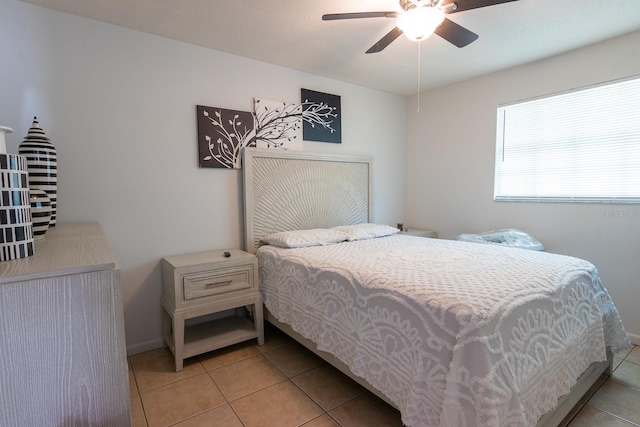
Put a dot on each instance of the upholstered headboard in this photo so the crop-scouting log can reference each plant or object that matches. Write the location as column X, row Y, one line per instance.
column 297, row 190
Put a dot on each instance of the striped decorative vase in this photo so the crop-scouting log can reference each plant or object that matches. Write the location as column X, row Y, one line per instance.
column 40, row 212
column 42, row 162
column 16, row 231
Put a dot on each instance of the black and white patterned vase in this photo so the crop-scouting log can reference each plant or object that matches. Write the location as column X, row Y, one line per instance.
column 40, row 212
column 16, row 231
column 42, row 162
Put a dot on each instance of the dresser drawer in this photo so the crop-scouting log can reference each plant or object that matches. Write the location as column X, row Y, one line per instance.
column 220, row 281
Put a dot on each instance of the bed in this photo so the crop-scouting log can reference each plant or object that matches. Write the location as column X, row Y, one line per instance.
column 450, row 333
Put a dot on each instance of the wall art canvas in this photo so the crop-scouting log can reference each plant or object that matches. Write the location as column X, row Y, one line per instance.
column 278, row 124
column 322, row 117
column 222, row 134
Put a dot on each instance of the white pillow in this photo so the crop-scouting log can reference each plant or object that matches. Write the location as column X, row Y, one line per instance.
column 305, row 238
column 366, row 231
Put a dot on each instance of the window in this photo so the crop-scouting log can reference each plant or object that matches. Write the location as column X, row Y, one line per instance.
column 578, row 146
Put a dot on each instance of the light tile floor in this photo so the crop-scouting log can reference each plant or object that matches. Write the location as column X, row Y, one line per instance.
column 283, row 384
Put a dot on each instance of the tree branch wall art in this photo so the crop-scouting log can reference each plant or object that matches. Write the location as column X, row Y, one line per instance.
column 223, row 133
column 278, row 124
column 322, row 116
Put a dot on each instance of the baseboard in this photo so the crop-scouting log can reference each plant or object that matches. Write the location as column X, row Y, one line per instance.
column 635, row 339
column 145, row 346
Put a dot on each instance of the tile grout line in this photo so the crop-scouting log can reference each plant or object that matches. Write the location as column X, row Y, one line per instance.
column 609, row 413
column 139, row 395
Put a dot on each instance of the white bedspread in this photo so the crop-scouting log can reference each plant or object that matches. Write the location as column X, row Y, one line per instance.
column 453, row 333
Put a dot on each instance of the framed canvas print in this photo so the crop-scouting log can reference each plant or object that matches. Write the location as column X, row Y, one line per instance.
column 278, row 124
column 321, row 117
column 222, row 134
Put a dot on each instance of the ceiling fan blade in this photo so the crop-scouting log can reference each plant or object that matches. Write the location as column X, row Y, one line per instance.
column 455, row 34
column 356, row 15
column 462, row 5
column 385, row 41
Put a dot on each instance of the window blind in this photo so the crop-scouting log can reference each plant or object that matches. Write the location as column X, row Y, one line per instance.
column 578, row 146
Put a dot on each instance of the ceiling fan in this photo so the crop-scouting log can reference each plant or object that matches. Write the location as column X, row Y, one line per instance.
column 421, row 18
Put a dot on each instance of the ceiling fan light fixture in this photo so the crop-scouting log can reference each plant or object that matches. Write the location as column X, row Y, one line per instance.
column 420, row 22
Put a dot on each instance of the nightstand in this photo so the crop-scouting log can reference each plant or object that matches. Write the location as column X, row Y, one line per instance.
column 419, row 233
column 204, row 283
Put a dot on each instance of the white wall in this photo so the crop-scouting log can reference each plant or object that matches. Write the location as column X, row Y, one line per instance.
column 451, row 165
column 119, row 106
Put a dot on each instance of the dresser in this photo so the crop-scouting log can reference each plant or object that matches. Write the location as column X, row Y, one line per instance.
column 62, row 346
column 196, row 287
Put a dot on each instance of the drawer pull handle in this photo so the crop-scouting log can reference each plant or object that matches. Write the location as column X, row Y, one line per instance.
column 221, row 282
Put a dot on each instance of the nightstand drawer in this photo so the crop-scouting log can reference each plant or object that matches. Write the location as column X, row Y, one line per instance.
column 216, row 282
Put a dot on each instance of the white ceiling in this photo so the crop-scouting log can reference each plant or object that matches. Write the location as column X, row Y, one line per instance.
column 291, row 33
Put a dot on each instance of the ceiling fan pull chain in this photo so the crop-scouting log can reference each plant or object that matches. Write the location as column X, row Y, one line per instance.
column 419, row 61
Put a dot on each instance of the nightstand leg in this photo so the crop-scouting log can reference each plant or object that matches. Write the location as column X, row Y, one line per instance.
column 178, row 341
column 165, row 321
column 258, row 320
